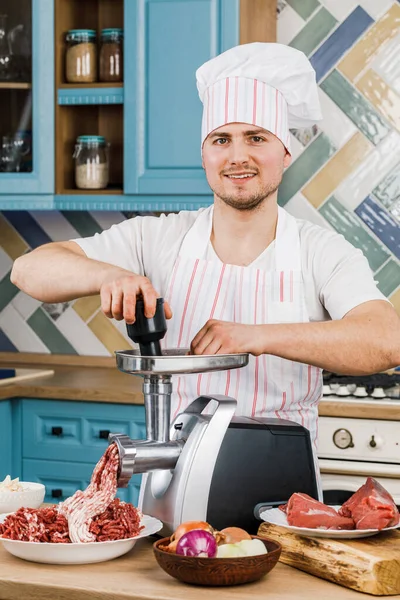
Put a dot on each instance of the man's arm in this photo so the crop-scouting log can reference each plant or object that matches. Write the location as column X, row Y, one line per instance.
column 366, row 340
column 61, row 271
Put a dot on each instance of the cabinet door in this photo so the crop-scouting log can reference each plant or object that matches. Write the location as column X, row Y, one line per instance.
column 5, row 440
column 26, row 97
column 63, row 479
column 165, row 42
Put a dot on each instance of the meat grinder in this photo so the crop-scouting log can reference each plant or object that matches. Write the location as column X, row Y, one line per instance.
column 207, row 464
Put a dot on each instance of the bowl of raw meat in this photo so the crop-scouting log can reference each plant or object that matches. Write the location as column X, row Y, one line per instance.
column 14, row 494
column 90, row 526
column 370, row 510
column 196, row 553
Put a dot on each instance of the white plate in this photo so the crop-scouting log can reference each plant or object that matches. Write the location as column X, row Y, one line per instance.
column 278, row 517
column 78, row 554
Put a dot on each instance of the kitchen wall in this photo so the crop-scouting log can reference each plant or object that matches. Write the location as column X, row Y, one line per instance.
column 345, row 174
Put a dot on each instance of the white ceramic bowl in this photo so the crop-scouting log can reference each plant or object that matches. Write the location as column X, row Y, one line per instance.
column 32, row 496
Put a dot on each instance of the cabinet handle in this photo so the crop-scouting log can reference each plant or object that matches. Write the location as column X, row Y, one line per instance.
column 104, row 433
column 56, row 431
column 56, row 493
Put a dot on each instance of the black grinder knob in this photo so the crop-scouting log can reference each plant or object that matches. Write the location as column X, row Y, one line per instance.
column 148, row 332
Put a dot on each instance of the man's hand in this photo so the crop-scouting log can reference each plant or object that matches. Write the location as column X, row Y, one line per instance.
column 118, row 294
column 223, row 337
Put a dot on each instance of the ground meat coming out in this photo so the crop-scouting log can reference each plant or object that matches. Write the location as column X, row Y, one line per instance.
column 92, row 515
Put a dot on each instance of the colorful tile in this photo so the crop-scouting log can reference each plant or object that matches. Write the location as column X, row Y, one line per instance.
column 7, row 291
column 86, row 307
column 105, row 331
column 335, row 123
column 395, row 210
column 304, row 8
column 11, row 242
column 349, row 225
column 395, row 300
column 83, row 222
column 379, row 162
column 44, row 327
column 381, row 223
column 306, row 134
column 300, row 208
column 27, row 227
column 314, row 31
column 344, row 162
column 288, row 25
column 19, row 333
column 55, row 225
column 362, row 53
column 376, row 8
column 308, row 163
column 355, row 106
column 340, row 8
column 296, row 148
column 387, row 64
column 25, row 305
column 55, row 309
column 107, row 218
column 343, row 38
column 79, row 335
column 5, row 263
column 6, row 344
column 381, row 95
column 388, row 277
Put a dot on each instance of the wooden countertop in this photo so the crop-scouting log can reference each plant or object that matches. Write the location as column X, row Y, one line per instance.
column 97, row 379
column 137, row 576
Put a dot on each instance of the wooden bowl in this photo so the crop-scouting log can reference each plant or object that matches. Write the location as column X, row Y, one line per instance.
column 218, row 571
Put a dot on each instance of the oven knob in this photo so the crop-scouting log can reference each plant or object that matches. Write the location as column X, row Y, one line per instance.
column 376, row 441
column 343, row 439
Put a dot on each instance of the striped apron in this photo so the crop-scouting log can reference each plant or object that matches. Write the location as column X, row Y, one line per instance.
column 201, row 289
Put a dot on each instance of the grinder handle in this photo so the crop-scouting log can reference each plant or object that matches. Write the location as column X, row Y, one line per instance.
column 200, row 404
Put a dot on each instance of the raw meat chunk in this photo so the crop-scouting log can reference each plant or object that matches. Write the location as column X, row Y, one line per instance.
column 304, row 511
column 371, row 507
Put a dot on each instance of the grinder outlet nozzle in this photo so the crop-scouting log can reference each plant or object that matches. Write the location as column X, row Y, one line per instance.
column 148, row 332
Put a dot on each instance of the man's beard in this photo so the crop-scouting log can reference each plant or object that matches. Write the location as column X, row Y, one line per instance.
column 249, row 202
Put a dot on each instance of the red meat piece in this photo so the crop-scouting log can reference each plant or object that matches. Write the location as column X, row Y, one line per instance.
column 371, row 507
column 304, row 511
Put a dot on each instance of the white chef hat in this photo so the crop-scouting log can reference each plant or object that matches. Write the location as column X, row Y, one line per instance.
column 269, row 85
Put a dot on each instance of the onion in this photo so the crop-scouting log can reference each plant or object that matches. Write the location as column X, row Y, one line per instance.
column 231, row 535
column 184, row 528
column 197, row 542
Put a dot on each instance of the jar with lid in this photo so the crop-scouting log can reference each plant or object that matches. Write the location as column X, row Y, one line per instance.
column 81, row 56
column 111, row 55
column 91, row 162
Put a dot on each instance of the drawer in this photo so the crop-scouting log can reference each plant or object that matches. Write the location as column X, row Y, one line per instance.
column 76, row 431
column 63, row 479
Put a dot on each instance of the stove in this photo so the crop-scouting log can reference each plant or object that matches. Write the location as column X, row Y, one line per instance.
column 351, row 449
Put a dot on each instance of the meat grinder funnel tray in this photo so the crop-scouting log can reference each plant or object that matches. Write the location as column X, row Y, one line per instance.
column 177, row 361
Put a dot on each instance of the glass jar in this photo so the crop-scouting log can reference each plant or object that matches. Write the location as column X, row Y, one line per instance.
column 81, row 56
column 111, row 55
column 91, row 162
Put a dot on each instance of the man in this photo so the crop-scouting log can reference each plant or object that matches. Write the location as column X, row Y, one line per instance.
column 241, row 275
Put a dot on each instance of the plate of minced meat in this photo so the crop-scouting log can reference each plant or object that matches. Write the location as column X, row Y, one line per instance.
column 370, row 510
column 90, row 526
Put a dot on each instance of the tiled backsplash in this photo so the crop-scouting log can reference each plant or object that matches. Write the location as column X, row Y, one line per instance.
column 345, row 173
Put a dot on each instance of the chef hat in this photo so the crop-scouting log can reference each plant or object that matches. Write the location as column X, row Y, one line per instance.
column 268, row 85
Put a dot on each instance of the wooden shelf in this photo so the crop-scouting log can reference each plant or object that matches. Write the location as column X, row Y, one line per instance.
column 14, row 85
column 108, row 191
column 96, row 85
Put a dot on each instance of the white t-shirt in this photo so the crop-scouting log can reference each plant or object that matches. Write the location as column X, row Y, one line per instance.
column 336, row 275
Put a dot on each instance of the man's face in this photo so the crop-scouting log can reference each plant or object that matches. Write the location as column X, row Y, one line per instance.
column 244, row 164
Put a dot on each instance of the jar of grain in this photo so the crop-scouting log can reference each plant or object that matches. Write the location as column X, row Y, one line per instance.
column 81, row 56
column 91, row 162
column 111, row 60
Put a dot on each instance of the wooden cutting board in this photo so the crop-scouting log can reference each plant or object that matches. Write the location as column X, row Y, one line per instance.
column 370, row 565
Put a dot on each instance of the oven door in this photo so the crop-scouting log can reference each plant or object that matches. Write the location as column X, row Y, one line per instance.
column 340, row 479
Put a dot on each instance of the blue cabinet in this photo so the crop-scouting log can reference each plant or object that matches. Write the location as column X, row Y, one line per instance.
column 58, row 443
column 166, row 41
column 27, row 99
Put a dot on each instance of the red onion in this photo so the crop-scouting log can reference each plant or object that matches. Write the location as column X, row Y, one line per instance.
column 197, row 542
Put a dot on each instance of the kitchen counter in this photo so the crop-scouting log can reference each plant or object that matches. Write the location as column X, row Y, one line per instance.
column 97, row 379
column 137, row 576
